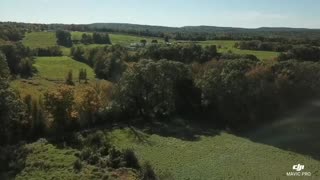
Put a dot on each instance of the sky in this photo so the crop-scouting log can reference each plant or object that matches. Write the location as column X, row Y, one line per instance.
column 176, row 13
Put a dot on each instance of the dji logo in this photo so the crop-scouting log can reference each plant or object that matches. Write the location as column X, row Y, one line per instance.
column 298, row 167
column 298, row 171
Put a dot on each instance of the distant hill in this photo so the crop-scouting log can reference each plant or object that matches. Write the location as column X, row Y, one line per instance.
column 128, row 26
column 194, row 33
column 208, row 32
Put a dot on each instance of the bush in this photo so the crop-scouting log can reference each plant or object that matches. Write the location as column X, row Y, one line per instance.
column 64, row 38
column 96, row 140
column 69, row 78
column 131, row 159
column 25, row 67
column 101, row 38
column 115, row 158
column 50, row 51
column 77, row 165
column 148, row 172
column 231, row 56
column 85, row 153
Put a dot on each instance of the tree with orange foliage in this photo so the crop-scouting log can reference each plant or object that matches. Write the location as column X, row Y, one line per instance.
column 87, row 104
column 60, row 103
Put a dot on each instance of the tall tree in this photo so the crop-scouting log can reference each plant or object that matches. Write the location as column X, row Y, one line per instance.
column 101, row 38
column 12, row 110
column 64, row 38
column 60, row 104
column 150, row 88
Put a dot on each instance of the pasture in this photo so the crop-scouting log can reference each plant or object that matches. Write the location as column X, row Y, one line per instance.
column 52, row 72
column 40, row 39
column 56, row 68
column 225, row 46
column 124, row 39
column 77, row 35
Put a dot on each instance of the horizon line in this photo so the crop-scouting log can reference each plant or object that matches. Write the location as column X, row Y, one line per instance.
column 235, row 27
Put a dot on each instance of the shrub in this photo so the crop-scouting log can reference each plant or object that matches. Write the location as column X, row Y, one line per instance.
column 115, row 158
column 96, row 140
column 69, row 78
column 49, row 51
column 131, row 159
column 148, row 172
column 77, row 165
column 25, row 67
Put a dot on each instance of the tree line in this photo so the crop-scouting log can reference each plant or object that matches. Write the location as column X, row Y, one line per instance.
column 19, row 59
column 264, row 46
column 95, row 38
column 296, row 36
column 110, row 62
column 161, row 81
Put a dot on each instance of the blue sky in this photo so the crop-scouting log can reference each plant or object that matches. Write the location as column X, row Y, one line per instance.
column 234, row 13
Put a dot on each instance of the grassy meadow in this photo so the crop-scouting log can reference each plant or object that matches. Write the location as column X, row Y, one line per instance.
column 40, row 39
column 228, row 45
column 56, row 68
column 35, row 40
column 52, row 71
column 223, row 156
column 124, row 39
column 77, row 35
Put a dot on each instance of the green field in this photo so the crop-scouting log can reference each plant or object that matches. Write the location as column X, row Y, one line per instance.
column 223, row 156
column 77, row 35
column 90, row 46
column 128, row 39
column 51, row 73
column 43, row 40
column 56, row 68
column 47, row 39
column 226, row 46
column 40, row 39
column 122, row 39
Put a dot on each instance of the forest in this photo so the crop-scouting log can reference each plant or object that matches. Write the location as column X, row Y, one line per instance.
column 84, row 101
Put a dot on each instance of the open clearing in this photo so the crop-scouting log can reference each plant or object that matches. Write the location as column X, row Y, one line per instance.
column 51, row 72
column 35, row 40
column 223, row 156
column 40, row 39
column 124, row 39
column 77, row 35
column 56, row 68
column 227, row 45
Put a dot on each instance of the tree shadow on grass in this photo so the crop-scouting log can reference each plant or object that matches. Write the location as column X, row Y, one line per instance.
column 298, row 131
column 177, row 128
